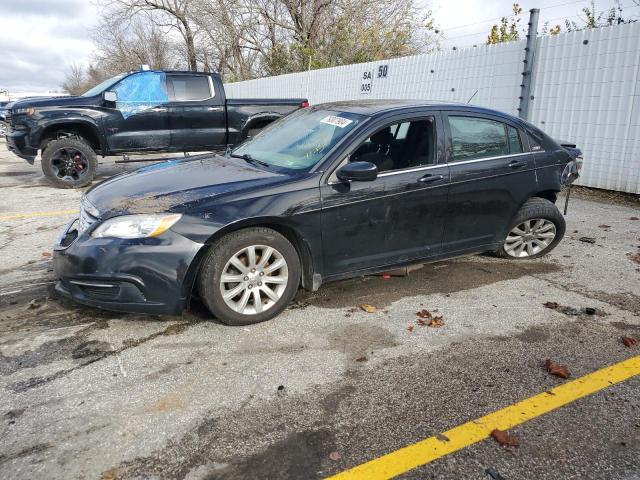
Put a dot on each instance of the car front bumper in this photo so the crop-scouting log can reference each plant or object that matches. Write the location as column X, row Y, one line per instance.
column 148, row 275
column 18, row 144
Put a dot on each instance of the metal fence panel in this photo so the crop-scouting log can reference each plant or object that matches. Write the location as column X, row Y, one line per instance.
column 585, row 89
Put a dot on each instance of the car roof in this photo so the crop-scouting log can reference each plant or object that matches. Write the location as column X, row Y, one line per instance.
column 374, row 108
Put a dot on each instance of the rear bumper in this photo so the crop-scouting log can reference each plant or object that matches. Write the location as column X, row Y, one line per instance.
column 17, row 143
column 152, row 275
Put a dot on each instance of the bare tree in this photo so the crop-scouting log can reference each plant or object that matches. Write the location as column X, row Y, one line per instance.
column 75, row 82
column 173, row 14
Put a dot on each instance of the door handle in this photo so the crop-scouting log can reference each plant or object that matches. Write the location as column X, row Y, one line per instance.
column 428, row 178
column 517, row 164
column 214, row 109
column 158, row 109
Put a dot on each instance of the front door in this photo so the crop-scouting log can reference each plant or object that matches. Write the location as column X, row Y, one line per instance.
column 491, row 177
column 198, row 117
column 399, row 216
column 139, row 121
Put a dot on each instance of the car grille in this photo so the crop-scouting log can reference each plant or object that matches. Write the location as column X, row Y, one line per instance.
column 86, row 219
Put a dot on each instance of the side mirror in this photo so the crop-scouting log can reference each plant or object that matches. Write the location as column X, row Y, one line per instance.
column 110, row 96
column 358, row 172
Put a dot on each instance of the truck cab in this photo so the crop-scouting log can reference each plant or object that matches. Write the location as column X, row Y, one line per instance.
column 144, row 111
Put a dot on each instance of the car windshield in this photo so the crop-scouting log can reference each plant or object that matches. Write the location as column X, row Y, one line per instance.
column 300, row 140
column 101, row 87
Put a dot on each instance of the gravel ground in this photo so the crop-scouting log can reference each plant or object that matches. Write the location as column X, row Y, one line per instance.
column 92, row 394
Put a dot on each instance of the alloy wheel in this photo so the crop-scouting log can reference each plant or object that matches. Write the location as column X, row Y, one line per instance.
column 69, row 164
column 254, row 279
column 530, row 238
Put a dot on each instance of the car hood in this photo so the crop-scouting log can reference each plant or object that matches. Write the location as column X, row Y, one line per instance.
column 62, row 101
column 176, row 185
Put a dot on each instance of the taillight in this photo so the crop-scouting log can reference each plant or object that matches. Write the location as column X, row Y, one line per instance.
column 304, row 104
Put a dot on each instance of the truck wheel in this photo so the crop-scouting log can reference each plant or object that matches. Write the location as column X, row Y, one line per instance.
column 537, row 229
column 249, row 276
column 69, row 163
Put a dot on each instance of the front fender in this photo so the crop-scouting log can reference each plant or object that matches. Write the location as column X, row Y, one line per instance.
column 45, row 124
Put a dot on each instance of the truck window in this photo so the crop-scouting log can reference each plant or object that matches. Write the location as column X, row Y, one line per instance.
column 141, row 91
column 188, row 88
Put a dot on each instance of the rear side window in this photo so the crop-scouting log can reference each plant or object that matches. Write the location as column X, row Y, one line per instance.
column 190, row 87
column 515, row 145
column 474, row 138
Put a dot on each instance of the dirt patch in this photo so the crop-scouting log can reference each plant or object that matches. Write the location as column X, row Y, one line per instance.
column 35, row 449
column 534, row 335
column 74, row 345
column 606, row 196
column 361, row 339
column 441, row 277
column 624, row 300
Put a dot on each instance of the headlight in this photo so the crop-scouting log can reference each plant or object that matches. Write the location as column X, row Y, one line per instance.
column 136, row 226
column 29, row 111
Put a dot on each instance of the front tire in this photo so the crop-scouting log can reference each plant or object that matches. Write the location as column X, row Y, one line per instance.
column 69, row 163
column 249, row 276
column 536, row 230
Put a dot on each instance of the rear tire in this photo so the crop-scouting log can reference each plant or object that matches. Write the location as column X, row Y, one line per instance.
column 249, row 276
column 69, row 163
column 536, row 230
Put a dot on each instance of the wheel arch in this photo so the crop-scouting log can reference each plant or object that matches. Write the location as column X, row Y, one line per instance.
column 83, row 129
column 275, row 223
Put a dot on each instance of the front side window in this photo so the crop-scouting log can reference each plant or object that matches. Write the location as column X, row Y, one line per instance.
column 141, row 91
column 474, row 138
column 406, row 144
column 189, row 88
column 300, row 140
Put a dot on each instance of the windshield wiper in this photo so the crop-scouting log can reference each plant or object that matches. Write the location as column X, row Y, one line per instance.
column 249, row 159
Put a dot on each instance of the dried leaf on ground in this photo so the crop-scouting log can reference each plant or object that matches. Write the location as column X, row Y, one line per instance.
column 504, row 439
column 635, row 257
column 629, row 341
column 368, row 308
column 604, row 226
column 552, row 305
column 587, row 239
column 436, row 322
column 335, row 456
column 361, row 359
column 424, row 314
column 46, row 254
column 558, row 370
column 410, row 328
column 634, row 218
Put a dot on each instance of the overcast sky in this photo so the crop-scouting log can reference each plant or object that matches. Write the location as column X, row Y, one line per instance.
column 40, row 38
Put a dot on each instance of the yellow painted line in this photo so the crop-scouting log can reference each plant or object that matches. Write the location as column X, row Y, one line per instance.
column 55, row 213
column 432, row 448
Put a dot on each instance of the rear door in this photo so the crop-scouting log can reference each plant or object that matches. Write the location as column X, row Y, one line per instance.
column 197, row 114
column 139, row 118
column 491, row 177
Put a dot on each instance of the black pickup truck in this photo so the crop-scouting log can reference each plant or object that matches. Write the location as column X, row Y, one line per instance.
column 144, row 111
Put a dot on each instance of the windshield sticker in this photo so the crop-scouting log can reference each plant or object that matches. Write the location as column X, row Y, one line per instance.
column 336, row 121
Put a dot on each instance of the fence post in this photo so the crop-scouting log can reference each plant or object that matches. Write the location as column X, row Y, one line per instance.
column 529, row 57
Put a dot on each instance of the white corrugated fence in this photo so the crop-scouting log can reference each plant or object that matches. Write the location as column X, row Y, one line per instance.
column 585, row 89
